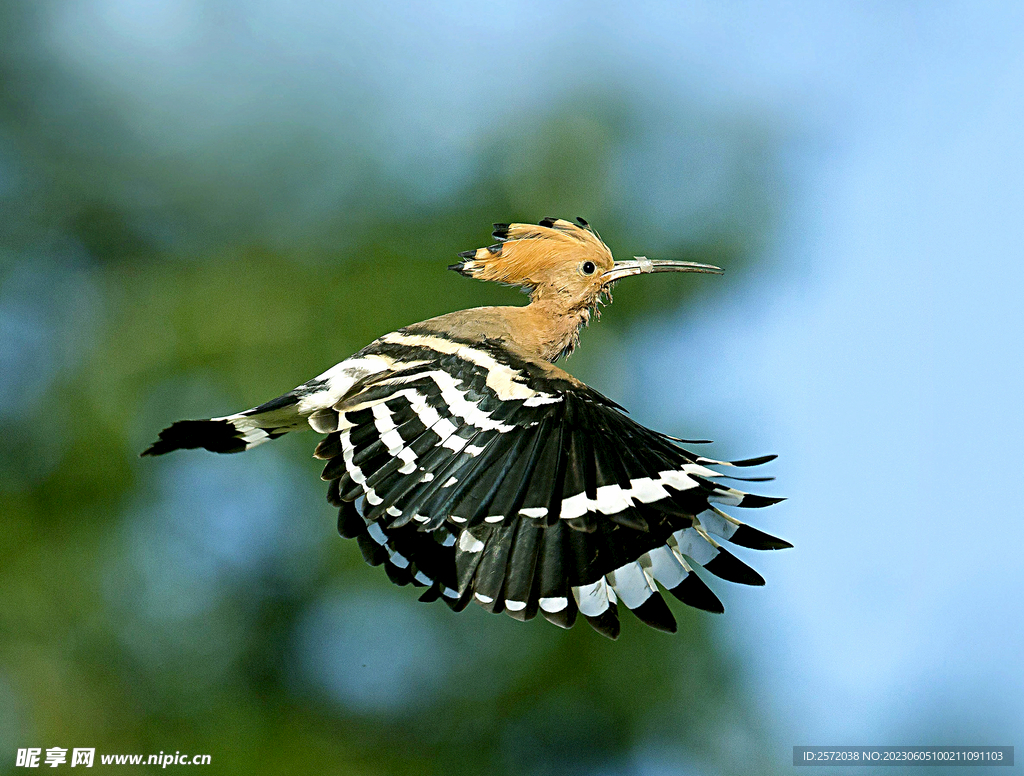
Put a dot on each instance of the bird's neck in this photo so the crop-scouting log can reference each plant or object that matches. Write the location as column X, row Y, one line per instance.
column 548, row 328
column 542, row 330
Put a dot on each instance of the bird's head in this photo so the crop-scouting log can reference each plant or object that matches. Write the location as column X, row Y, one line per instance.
column 559, row 260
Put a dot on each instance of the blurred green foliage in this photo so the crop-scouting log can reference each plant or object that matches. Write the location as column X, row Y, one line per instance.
column 160, row 605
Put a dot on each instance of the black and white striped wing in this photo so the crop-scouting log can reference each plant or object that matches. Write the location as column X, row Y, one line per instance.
column 483, row 477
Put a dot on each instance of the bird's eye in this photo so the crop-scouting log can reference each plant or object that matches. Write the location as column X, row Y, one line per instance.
column 588, row 268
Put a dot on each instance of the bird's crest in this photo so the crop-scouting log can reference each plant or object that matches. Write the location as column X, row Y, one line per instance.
column 524, row 253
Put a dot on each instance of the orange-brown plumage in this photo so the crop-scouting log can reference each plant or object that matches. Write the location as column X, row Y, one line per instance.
column 546, row 258
column 564, row 266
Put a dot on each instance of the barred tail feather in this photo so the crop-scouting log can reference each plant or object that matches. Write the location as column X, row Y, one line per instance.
column 218, row 436
column 231, row 434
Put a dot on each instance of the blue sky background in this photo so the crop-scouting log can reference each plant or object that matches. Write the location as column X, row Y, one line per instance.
column 878, row 351
column 881, row 358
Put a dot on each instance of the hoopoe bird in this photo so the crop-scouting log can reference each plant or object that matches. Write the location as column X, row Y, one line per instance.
column 467, row 463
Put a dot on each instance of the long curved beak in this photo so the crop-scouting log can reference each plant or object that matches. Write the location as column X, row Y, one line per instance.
column 641, row 265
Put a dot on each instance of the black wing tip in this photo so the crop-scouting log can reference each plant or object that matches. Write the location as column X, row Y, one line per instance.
column 334, row 494
column 350, row 523
column 754, row 461
column 655, row 612
column 217, row 436
column 328, row 447
column 431, row 594
column 727, row 566
column 373, row 553
column 397, row 575
column 523, row 615
column 753, row 501
column 460, row 603
column 607, row 623
column 689, row 441
column 747, row 536
column 565, row 618
column 693, row 592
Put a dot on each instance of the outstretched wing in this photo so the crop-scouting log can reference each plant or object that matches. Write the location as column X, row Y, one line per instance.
column 482, row 476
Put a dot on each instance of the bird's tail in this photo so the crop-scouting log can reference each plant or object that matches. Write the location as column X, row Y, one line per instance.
column 233, row 433
column 300, row 408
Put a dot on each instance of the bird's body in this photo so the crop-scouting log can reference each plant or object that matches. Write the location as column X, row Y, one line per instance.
column 468, row 463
